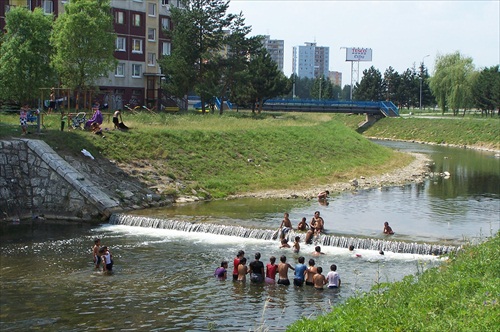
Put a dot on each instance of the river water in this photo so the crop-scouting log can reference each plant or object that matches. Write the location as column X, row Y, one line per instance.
column 163, row 279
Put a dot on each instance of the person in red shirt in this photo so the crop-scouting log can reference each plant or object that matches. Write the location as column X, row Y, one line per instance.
column 271, row 270
column 236, row 262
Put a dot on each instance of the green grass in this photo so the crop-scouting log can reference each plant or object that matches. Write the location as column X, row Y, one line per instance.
column 233, row 153
column 461, row 295
column 469, row 131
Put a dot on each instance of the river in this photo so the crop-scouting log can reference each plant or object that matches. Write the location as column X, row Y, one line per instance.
column 163, row 279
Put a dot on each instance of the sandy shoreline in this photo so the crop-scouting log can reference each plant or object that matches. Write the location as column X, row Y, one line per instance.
column 415, row 172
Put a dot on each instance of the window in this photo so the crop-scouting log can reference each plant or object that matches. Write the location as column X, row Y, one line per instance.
column 120, row 70
column 119, row 18
column 136, row 45
column 136, row 70
column 151, row 34
column 48, row 6
column 165, row 23
column 151, row 9
column 151, row 59
column 165, row 48
column 164, row 2
column 120, row 44
column 136, row 20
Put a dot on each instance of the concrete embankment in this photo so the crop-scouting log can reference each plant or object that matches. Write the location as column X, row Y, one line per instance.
column 35, row 182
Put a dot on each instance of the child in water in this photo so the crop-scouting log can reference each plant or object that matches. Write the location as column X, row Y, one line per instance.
column 296, row 245
column 221, row 272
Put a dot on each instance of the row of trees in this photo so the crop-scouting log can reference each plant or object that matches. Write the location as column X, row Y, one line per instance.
column 456, row 85
column 72, row 51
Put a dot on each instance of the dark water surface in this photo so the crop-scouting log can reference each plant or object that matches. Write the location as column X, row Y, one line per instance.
column 163, row 279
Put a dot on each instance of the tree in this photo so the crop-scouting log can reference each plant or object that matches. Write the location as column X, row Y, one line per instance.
column 452, row 82
column 198, row 37
column 266, row 80
column 390, row 84
column 24, row 55
column 84, row 43
column 408, row 90
column 322, row 89
column 486, row 89
column 370, row 87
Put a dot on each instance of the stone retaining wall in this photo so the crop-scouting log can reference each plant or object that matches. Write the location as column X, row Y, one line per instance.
column 35, row 181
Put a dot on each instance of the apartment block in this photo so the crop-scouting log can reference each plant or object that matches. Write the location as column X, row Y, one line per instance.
column 335, row 77
column 312, row 60
column 140, row 27
column 276, row 49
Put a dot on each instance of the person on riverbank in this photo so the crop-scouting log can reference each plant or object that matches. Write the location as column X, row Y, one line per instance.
column 286, row 225
column 323, row 195
column 283, row 267
column 23, row 119
column 319, row 280
column 310, row 272
column 333, row 277
column 271, row 270
column 256, row 270
column 300, row 269
column 303, row 226
column 242, row 270
column 236, row 263
column 387, row 229
column 221, row 272
column 95, row 253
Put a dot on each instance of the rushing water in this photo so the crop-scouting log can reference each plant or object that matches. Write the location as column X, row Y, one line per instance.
column 163, row 278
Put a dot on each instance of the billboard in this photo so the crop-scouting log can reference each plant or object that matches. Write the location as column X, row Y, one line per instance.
column 358, row 54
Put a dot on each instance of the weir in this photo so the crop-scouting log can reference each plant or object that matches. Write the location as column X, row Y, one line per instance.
column 272, row 235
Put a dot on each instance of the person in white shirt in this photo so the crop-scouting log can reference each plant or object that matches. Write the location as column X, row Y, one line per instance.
column 333, row 277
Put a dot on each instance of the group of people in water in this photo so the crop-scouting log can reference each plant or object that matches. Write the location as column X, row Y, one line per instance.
column 260, row 274
column 102, row 257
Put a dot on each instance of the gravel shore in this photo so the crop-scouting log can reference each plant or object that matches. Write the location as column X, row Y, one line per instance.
column 415, row 172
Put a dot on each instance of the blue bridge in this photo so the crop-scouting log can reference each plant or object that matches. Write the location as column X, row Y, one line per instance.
column 370, row 108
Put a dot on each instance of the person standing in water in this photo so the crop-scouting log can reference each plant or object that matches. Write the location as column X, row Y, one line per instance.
column 387, row 229
column 236, row 263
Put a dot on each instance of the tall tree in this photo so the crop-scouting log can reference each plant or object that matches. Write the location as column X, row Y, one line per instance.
column 322, row 88
column 452, row 82
column 24, row 55
column 84, row 42
column 370, row 87
column 486, row 90
column 198, row 37
column 390, row 84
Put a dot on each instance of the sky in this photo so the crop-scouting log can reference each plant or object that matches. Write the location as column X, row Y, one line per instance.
column 400, row 33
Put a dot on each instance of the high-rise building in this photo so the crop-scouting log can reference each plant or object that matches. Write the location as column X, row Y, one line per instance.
column 312, row 61
column 335, row 77
column 276, row 49
column 140, row 41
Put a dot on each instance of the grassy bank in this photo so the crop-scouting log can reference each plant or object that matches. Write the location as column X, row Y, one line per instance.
column 469, row 131
column 229, row 154
column 461, row 295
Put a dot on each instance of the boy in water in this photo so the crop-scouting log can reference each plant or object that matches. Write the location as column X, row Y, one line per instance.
column 317, row 251
column 242, row 270
column 271, row 270
column 256, row 270
column 296, row 245
column 310, row 272
column 302, row 226
column 236, row 263
column 221, row 272
column 107, row 259
column 387, row 229
column 319, row 279
column 333, row 277
column 286, row 225
column 95, row 253
column 284, row 244
column 283, row 271
column 300, row 269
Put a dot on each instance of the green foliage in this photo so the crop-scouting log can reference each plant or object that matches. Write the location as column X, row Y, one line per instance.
column 486, row 89
column 370, row 87
column 322, row 89
column 84, row 42
column 461, row 295
column 452, row 82
column 24, row 55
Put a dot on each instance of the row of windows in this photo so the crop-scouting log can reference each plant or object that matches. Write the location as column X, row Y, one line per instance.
column 136, row 70
column 121, row 45
column 136, row 19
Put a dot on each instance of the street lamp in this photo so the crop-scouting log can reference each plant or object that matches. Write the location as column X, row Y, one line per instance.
column 421, row 79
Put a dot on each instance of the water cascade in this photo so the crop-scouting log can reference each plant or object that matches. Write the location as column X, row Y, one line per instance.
column 272, row 235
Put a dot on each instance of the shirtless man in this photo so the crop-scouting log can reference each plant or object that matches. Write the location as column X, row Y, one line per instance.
column 319, row 280
column 283, row 267
column 310, row 272
column 317, row 223
column 286, row 225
